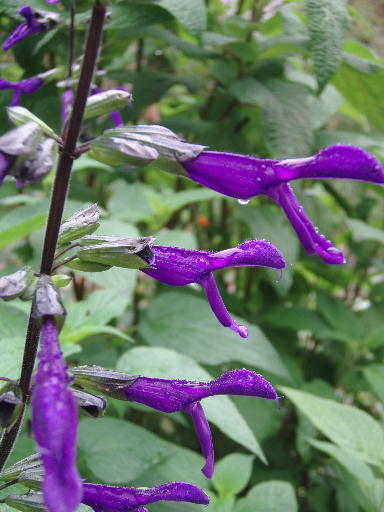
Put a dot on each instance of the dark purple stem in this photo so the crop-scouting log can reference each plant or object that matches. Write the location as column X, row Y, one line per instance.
column 58, row 198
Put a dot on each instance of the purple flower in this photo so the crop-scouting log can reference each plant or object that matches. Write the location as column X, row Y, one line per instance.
column 54, row 423
column 35, row 21
column 244, row 177
column 105, row 498
column 66, row 105
column 26, row 86
column 181, row 395
column 178, row 267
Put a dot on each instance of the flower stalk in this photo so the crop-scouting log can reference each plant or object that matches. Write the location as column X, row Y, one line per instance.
column 58, row 198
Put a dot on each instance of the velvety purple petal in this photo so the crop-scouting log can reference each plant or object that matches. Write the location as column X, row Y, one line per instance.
column 28, row 14
column 204, row 436
column 30, row 85
column 176, row 266
column 249, row 253
column 341, row 161
column 54, row 423
column 312, row 241
column 244, row 383
column 116, row 118
column 5, row 84
column 218, row 306
column 233, row 175
column 106, row 498
column 5, row 164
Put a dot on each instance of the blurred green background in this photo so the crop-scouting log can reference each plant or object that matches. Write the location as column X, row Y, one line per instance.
column 274, row 79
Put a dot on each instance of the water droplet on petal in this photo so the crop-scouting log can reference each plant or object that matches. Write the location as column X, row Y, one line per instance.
column 243, row 201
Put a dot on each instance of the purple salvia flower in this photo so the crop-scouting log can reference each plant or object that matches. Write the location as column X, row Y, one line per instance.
column 244, row 177
column 35, row 21
column 54, row 423
column 181, row 395
column 106, row 498
column 26, row 86
column 179, row 267
column 66, row 105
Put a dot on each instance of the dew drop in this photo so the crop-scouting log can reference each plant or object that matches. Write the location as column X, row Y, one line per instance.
column 243, row 201
column 333, row 250
column 279, row 275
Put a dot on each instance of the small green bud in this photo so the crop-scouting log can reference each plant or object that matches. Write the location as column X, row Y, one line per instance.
column 61, row 280
column 46, row 300
column 108, row 382
column 106, row 102
column 81, row 223
column 21, row 115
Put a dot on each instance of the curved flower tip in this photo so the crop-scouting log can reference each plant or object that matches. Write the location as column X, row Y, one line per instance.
column 341, row 161
column 168, row 395
column 54, row 423
column 107, row 498
column 178, row 267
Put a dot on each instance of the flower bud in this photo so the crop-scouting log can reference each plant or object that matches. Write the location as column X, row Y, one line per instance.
column 13, row 285
column 21, row 140
column 10, row 404
column 37, row 165
column 106, row 102
column 119, row 252
column 81, row 223
column 46, row 300
column 119, row 151
column 61, row 280
column 171, row 149
column 92, row 405
column 31, row 502
column 21, row 115
column 31, row 463
column 107, row 382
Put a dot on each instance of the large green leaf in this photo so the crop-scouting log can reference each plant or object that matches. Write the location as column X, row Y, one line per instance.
column 166, row 364
column 118, row 452
column 374, row 373
column 272, row 496
column 350, row 428
column 191, row 14
column 362, row 231
column 327, row 25
column 22, row 221
column 232, row 473
column 186, row 324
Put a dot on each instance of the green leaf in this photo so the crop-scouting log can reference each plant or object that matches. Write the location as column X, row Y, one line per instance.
column 90, row 315
column 339, row 315
column 272, row 496
column 350, row 428
column 232, row 473
column 126, row 15
column 166, row 364
column 118, row 452
column 374, row 373
column 22, row 221
column 190, row 14
column 362, row 231
column 184, row 323
column 354, row 466
column 327, row 25
column 363, row 90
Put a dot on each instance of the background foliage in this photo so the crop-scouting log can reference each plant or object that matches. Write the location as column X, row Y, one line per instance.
column 278, row 79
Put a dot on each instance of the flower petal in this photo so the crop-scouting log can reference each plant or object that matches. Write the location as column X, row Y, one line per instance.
column 242, row 382
column 218, row 306
column 54, row 423
column 312, row 241
column 204, row 435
